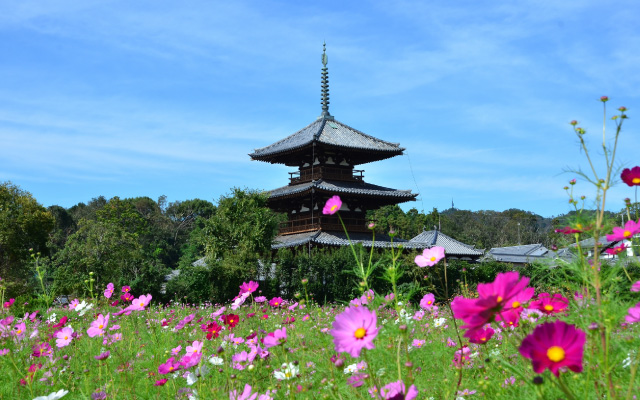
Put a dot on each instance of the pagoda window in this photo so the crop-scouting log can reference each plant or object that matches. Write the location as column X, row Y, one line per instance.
column 345, row 163
column 305, row 165
column 316, row 162
column 303, row 209
column 330, row 161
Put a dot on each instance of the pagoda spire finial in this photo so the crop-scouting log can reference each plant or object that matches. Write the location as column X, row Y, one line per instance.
column 325, row 84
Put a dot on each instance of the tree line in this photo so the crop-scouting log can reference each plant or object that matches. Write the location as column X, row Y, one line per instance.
column 139, row 241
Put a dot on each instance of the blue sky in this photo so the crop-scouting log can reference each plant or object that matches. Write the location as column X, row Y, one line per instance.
column 150, row 98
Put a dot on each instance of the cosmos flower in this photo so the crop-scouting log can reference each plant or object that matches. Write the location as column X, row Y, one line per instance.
column 168, row 367
column 108, row 292
column 614, row 251
column 398, row 390
column 430, row 257
column 249, row 287
column 634, row 314
column 276, row 302
column 231, row 320
column 275, row 338
column 42, row 350
column 286, row 372
column 630, row 229
column 427, row 301
column 554, row 345
column 98, row 326
column 635, row 287
column 480, row 336
column 213, row 330
column 332, row 205
column 53, row 396
column 631, row 176
column 550, row 304
column 63, row 337
column 354, row 329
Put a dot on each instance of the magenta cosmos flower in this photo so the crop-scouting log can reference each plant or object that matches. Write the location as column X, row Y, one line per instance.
column 635, row 287
column 354, row 329
column 550, row 304
column 554, row 345
column 398, row 390
column 275, row 338
column 332, row 206
column 430, row 257
column 507, row 292
column 630, row 229
column 248, row 287
column 276, row 302
column 631, row 176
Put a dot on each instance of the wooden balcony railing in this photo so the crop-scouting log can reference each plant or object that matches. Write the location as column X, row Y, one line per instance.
column 321, row 172
column 301, row 225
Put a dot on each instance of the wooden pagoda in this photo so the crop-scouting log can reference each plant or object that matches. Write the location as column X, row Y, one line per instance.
column 326, row 154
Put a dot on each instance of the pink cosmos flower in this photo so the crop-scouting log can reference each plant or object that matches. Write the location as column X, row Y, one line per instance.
column 275, row 338
column 635, row 287
column 630, row 229
column 196, row 347
column 427, row 301
column 398, row 390
column 190, row 360
column 249, row 287
column 108, row 292
column 332, row 206
column 20, row 330
column 550, row 304
column 461, row 357
column 126, row 297
column 103, row 356
column 276, row 302
column 126, row 289
column 98, row 326
column 634, row 314
column 160, row 382
column 430, row 257
column 73, row 304
column 354, row 329
column 631, row 176
column 614, row 251
column 417, row 343
column 247, row 394
column 554, row 345
column 9, row 303
column 568, row 230
column 64, row 336
column 175, row 351
column 260, row 299
column 140, row 303
column 170, row 366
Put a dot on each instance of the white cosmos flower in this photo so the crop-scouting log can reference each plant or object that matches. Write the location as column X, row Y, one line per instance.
column 438, row 322
column 287, row 372
column 350, row 368
column 53, row 396
column 216, row 360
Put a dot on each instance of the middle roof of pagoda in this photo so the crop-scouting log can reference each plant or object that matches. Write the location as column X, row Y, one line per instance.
column 360, row 189
column 332, row 135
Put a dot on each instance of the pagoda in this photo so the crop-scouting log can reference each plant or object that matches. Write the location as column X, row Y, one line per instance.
column 326, row 155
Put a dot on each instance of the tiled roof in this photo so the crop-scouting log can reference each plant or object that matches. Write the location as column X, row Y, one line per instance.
column 340, row 239
column 355, row 188
column 451, row 246
column 330, row 132
column 534, row 250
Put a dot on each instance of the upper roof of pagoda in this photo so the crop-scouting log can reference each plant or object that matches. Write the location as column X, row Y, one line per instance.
column 328, row 133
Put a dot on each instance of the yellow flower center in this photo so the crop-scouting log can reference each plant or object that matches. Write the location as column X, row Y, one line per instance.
column 334, row 207
column 432, row 259
column 19, row 331
column 170, row 369
column 66, row 337
column 555, row 353
column 626, row 234
column 548, row 307
column 484, row 339
column 429, row 302
column 515, row 304
column 635, row 181
column 499, row 299
column 276, row 303
column 100, row 327
column 360, row 333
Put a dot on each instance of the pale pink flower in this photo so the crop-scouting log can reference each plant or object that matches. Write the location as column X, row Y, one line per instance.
column 98, row 326
column 354, row 329
column 64, row 336
column 430, row 257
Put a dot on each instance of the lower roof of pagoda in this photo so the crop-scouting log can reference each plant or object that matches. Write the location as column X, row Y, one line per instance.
column 453, row 248
column 359, row 189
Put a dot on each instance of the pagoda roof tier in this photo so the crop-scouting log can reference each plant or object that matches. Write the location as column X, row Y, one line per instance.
column 331, row 134
column 360, row 189
column 453, row 248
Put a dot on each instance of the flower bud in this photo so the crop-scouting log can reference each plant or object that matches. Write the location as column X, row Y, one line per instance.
column 574, row 122
column 622, row 109
column 305, row 281
column 604, row 99
column 572, row 182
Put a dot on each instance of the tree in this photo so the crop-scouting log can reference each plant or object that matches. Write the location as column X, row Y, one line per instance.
column 24, row 225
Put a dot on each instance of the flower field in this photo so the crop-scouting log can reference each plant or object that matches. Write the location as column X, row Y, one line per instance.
column 375, row 347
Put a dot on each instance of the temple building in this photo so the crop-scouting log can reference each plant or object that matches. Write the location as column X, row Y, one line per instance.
column 327, row 156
